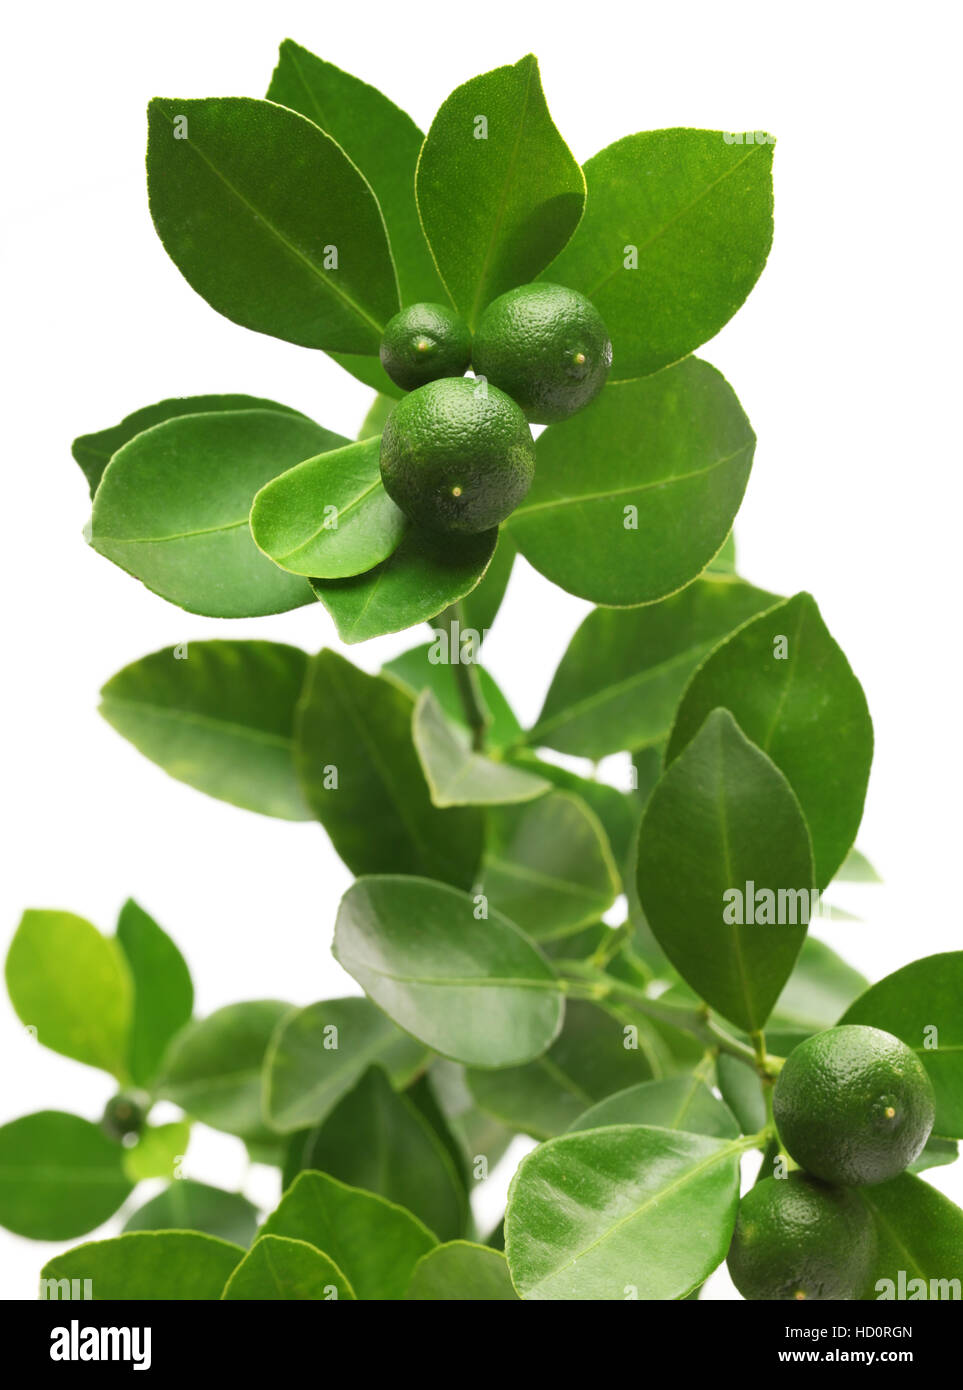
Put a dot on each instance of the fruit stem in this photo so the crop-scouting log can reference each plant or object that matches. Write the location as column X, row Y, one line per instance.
column 466, row 677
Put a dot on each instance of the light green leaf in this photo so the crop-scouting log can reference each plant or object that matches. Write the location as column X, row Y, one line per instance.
column 156, row 1154
column 792, row 691
column 919, row 1237
column 499, row 191
column 60, row 1176
column 278, row 1268
column 172, row 509
column 425, row 574
column 618, row 812
column 819, row 988
column 548, row 866
column 477, row 991
column 212, row 1069
column 723, row 821
column 267, row 218
column 182, row 1265
column 477, row 1134
column 678, row 1102
column 361, row 777
column 635, row 495
column 920, row 1003
column 329, row 516
column 374, row 1241
column 856, row 868
column 429, row 667
column 461, row 1272
column 612, row 1213
column 319, row 1053
column 218, row 716
column 163, row 991
column 725, row 561
column 374, row 422
column 621, row 679
column 696, row 209
column 186, row 1205
column 458, row 776
column 935, row 1154
column 72, row 985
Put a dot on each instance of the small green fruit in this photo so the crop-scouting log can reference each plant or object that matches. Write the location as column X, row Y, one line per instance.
column 424, row 343
column 124, row 1114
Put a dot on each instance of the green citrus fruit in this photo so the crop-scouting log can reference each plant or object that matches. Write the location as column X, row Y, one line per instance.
column 853, row 1105
column 547, row 347
column 124, row 1114
column 797, row 1238
column 457, row 455
column 425, row 342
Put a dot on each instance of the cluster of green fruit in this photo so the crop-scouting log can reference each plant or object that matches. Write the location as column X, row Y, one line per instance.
column 853, row 1107
column 457, row 453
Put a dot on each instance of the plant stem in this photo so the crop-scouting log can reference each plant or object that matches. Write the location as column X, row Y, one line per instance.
column 466, row 679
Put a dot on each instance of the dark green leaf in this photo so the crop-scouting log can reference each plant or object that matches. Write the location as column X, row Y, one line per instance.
column 935, row 1154
column 479, row 1135
column 679, row 1102
column 618, row 812
column 634, row 496
column 480, row 607
column 149, row 1265
column 277, row 1267
column 742, row 1092
column 185, row 1205
column 429, row 667
column 60, row 1176
column 461, row 1272
column 455, row 773
column 163, row 992
column 919, row 1237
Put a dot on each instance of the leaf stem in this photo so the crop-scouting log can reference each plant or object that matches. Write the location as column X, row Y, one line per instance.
column 466, row 678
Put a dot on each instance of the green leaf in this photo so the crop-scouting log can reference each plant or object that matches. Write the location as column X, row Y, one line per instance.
column 72, row 986
column 856, row 868
column 919, row 1236
column 548, row 866
column 319, row 1053
column 182, row 1265
column 697, row 209
column 621, row 679
column 267, row 218
column 792, row 691
column 218, row 716
column 277, row 1267
column 157, row 1153
column 618, row 812
column 94, row 451
column 361, row 777
column 722, row 821
column 478, row 1134
column 429, row 667
column 60, row 1176
column 477, row 991
column 422, row 576
column 380, row 139
column 163, row 991
column 212, row 1069
column 186, row 1205
column 614, row 1213
column 635, row 495
column 480, row 607
column 819, row 988
column 742, row 1092
column 725, row 561
column 172, row 509
column 920, row 1003
column 374, row 1241
column 461, row 1272
column 935, row 1154
column 455, row 773
column 499, row 191
column 679, row 1102
column 374, row 422
column 329, row 516
column 376, row 1139
column 588, row 1060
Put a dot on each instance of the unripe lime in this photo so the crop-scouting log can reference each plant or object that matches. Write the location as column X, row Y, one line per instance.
column 425, row 342
column 124, row 1114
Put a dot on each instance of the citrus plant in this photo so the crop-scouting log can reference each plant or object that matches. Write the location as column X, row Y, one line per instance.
column 621, row 972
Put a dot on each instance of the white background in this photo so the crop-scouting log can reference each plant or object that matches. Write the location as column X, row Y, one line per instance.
column 845, row 358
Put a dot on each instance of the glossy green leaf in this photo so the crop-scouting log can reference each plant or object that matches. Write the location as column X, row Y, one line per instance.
column 611, row 1214
column 375, row 1242
column 278, row 1268
column 374, row 1138
column 361, row 777
column 94, row 451
column 935, row 1154
column 267, row 218
column 474, row 989
column 499, row 191
column 157, row 1153
column 422, row 576
column 725, row 561
column 919, row 1236
column 621, row 679
column 380, row 139
column 548, row 866
column 479, row 608
column 588, row 1061
column 618, row 812
column 742, row 1092
column 172, row 509
column 212, row 1070
column 428, row 667
column 60, row 1176
column 163, row 991
column 723, row 821
column 792, row 691
column 71, row 985
column 455, row 773
column 462, row 1272
column 329, row 516
column 186, row 1205
column 921, row 1004
column 678, row 1102
column 634, row 495
column 819, row 988
column 318, row 1054
column 184, row 1265
column 677, row 228
column 374, row 422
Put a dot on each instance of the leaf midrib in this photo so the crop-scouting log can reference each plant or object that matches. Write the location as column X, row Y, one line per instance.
column 578, row 499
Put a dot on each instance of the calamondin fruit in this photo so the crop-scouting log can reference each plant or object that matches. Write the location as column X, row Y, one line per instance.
column 424, row 342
